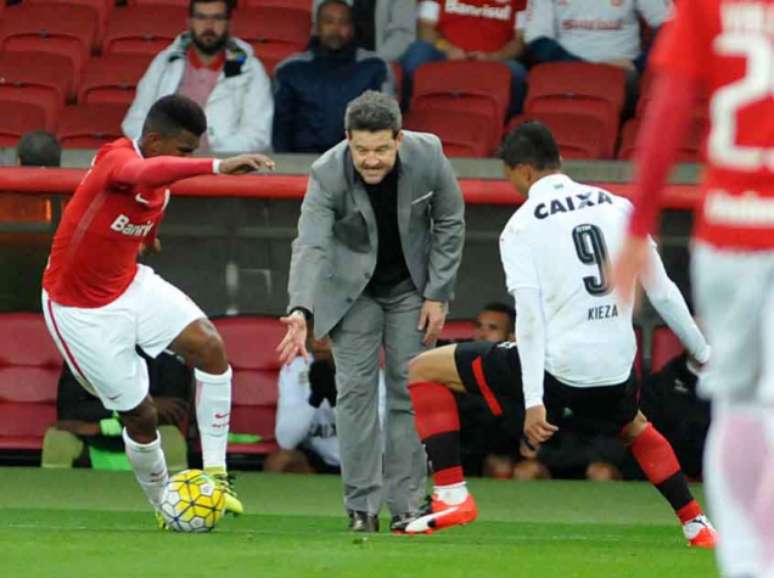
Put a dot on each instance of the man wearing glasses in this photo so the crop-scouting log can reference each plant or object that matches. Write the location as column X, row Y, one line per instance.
column 217, row 71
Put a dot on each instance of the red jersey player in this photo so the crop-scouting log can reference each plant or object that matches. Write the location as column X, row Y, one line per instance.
column 725, row 47
column 99, row 303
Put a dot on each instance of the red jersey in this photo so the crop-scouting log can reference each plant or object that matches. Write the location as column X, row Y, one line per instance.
column 727, row 48
column 114, row 210
column 479, row 25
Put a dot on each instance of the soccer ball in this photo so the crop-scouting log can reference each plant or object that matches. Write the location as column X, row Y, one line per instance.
column 193, row 502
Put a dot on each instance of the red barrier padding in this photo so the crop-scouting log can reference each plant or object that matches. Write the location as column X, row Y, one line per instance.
column 477, row 191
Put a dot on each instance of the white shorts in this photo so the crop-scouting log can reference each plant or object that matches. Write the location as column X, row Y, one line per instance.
column 735, row 301
column 98, row 344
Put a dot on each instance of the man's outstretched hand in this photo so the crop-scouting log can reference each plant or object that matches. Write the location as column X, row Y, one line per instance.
column 242, row 164
column 294, row 343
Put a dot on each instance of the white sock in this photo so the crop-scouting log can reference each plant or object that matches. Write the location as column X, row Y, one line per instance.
column 149, row 467
column 452, row 494
column 213, row 409
column 731, row 473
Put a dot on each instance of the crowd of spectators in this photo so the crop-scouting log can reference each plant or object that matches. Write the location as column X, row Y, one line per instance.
column 357, row 45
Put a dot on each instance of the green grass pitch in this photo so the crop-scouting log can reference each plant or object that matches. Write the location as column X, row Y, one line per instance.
column 87, row 524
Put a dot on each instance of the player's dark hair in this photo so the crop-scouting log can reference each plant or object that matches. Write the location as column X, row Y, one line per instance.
column 174, row 113
column 326, row 3
column 530, row 144
column 229, row 5
column 373, row 111
column 39, row 148
column 497, row 307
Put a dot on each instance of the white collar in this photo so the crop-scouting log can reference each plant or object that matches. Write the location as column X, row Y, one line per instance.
column 136, row 146
column 556, row 183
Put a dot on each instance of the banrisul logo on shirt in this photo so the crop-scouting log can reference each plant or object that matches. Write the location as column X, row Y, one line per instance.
column 125, row 227
column 483, row 10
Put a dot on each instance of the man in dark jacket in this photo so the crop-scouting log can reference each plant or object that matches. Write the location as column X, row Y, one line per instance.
column 669, row 399
column 312, row 88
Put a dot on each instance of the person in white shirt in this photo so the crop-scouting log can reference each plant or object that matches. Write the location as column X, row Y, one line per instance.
column 576, row 345
column 590, row 30
column 217, row 71
column 305, row 426
column 306, row 421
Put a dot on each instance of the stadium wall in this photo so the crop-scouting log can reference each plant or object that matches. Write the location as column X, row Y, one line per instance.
column 226, row 240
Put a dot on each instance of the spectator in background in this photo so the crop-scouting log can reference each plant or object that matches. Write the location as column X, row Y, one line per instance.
column 386, row 27
column 669, row 400
column 313, row 88
column 38, row 148
column 590, row 30
column 218, row 72
column 306, row 420
column 495, row 322
column 86, row 432
column 485, row 30
column 489, row 443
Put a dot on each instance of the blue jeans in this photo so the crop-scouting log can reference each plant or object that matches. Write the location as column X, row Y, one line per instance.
column 421, row 52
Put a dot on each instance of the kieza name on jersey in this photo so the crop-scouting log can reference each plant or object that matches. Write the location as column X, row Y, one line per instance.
column 123, row 226
column 602, row 312
column 573, row 203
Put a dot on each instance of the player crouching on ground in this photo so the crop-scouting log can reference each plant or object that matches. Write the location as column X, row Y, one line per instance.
column 576, row 346
column 99, row 303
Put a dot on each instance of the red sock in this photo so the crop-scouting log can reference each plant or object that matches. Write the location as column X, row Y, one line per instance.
column 659, row 463
column 438, row 425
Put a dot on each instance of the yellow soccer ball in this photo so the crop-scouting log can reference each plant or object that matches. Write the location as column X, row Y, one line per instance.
column 193, row 502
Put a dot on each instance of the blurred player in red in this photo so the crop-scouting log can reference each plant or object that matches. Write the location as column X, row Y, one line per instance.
column 725, row 48
column 99, row 303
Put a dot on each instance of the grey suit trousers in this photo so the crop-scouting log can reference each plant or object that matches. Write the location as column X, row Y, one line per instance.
column 378, row 466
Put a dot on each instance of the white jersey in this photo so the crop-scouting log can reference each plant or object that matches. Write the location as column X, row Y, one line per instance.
column 594, row 30
column 300, row 424
column 555, row 250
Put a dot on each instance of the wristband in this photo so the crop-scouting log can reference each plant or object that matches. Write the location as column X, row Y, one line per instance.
column 215, row 166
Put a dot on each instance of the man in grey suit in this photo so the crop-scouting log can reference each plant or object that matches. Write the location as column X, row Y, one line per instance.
column 379, row 243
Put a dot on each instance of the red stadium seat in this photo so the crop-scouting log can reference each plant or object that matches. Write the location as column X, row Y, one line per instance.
column 29, row 372
column 112, row 78
column 458, row 330
column 665, row 346
column 89, row 126
column 180, row 3
column 690, row 150
column 579, row 136
column 273, row 33
column 143, row 29
column 69, row 30
column 102, row 8
column 300, row 5
column 454, row 86
column 462, row 134
column 596, row 90
column 24, row 118
column 39, row 79
column 250, row 343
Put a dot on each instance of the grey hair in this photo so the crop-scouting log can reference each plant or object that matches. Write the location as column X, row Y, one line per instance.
column 373, row 111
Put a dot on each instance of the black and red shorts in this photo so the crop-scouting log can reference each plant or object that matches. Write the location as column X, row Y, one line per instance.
column 493, row 371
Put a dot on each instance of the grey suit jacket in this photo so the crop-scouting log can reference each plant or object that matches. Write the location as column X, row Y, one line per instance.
column 335, row 252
